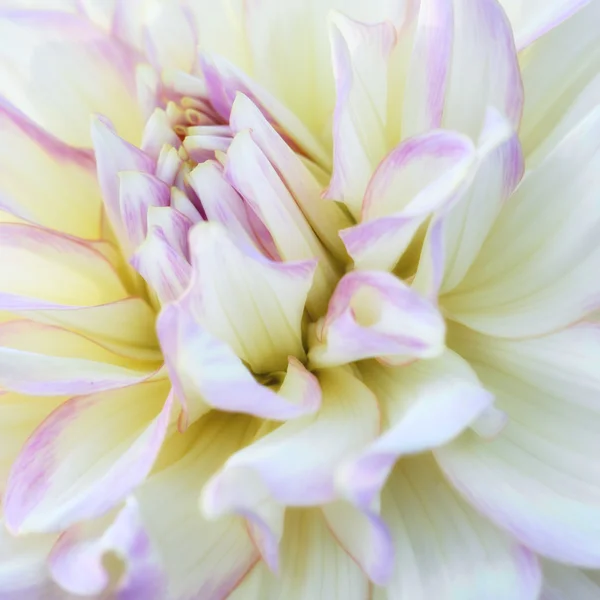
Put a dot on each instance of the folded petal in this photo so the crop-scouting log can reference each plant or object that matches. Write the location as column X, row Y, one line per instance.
column 251, row 173
column 207, row 373
column 418, row 177
column 538, row 479
column 96, row 74
column 536, row 271
column 86, row 457
column 374, row 314
column 295, row 463
column 444, row 549
column 424, row 405
column 326, row 218
column 44, row 360
column 76, row 560
column 45, row 181
column 483, row 68
column 202, row 559
column 360, row 63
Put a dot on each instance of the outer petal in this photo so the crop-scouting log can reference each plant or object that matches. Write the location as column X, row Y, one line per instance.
column 444, row 549
column 43, row 360
column 250, row 172
column 539, row 479
column 326, row 218
column 96, row 74
column 264, row 473
column 562, row 582
column 44, row 181
column 206, row 372
column 536, row 271
column 202, row 559
column 419, row 176
column 360, row 59
column 425, row 405
column 374, row 314
column 483, row 69
column 76, row 559
column 65, row 473
column 249, row 302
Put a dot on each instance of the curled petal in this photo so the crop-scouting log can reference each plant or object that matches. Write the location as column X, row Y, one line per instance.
column 374, row 314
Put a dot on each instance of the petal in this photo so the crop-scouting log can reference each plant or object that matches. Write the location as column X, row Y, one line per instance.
column 76, row 560
column 535, row 272
column 206, row 372
column 174, row 225
column 295, row 463
column 137, row 193
column 498, row 171
column 418, row 177
column 360, row 62
column 62, row 194
column 550, row 81
column 249, row 302
column 483, row 68
column 538, row 479
column 425, row 405
column 41, row 268
column 163, row 267
column 69, row 470
column 202, row 559
column 326, row 218
column 158, row 131
column 532, row 20
column 43, row 360
column 562, row 582
column 251, row 173
column 374, row 314
column 96, row 74
column 444, row 549
column 114, row 154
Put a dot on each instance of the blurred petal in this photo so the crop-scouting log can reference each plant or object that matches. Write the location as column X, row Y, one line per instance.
column 374, row 314
column 562, row 582
column 70, row 469
column 76, row 560
column 444, row 549
column 360, row 61
column 539, row 478
column 418, row 177
column 61, row 68
column 529, row 279
column 425, row 405
column 202, row 559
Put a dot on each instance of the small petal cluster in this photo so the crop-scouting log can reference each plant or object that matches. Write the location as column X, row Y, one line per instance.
column 310, row 309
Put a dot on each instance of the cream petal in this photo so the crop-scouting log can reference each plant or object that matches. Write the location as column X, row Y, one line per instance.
column 562, row 582
column 483, row 68
column 96, row 74
column 444, row 549
column 206, row 373
column 538, row 479
column 424, row 405
column 326, row 218
column 70, row 470
column 418, row 177
column 45, row 181
column 360, row 63
column 202, row 559
column 251, row 173
column 158, row 131
column 76, row 560
column 251, row 303
column 535, row 272
column 374, row 314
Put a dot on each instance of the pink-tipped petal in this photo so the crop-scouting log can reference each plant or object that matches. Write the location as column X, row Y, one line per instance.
column 69, row 471
column 374, row 314
column 158, row 131
column 360, row 64
column 174, row 225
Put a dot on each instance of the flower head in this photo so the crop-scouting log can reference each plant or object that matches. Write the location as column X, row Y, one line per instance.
column 309, row 308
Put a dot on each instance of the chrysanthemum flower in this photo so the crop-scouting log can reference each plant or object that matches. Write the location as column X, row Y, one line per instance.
column 308, row 312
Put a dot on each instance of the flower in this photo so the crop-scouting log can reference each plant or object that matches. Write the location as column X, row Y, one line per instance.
column 306, row 313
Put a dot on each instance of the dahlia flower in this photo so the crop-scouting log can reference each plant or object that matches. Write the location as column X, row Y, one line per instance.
column 298, row 299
